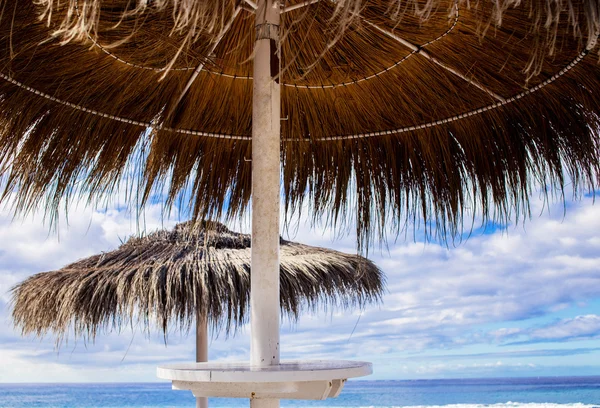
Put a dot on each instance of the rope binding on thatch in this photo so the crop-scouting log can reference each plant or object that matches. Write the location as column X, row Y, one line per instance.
column 149, row 125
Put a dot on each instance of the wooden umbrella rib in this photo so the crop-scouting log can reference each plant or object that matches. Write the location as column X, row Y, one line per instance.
column 251, row 4
column 247, row 7
column 299, row 5
column 212, row 49
column 425, row 54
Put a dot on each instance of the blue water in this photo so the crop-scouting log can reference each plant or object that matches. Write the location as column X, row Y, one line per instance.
column 566, row 392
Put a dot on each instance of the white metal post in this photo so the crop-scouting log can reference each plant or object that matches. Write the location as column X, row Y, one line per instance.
column 201, row 350
column 266, row 113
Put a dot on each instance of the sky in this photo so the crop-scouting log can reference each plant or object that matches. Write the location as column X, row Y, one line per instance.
column 511, row 301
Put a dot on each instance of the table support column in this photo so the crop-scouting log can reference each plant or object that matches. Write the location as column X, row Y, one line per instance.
column 266, row 112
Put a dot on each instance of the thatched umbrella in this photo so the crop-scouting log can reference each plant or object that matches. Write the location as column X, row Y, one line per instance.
column 190, row 274
column 174, row 277
column 417, row 109
column 389, row 110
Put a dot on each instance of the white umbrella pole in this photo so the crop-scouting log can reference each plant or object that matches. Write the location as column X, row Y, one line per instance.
column 201, row 350
column 264, row 295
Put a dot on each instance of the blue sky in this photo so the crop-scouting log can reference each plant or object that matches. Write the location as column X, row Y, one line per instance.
column 521, row 300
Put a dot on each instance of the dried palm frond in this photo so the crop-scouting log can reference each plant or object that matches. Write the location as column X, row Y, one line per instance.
column 169, row 277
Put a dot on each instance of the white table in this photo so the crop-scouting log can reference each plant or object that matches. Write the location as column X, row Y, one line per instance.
column 314, row 380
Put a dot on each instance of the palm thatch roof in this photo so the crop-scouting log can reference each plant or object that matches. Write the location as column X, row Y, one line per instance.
column 168, row 277
column 394, row 110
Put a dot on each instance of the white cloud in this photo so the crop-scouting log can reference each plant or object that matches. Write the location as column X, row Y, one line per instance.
column 506, row 276
column 579, row 327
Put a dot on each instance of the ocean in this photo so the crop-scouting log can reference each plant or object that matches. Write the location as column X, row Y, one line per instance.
column 550, row 392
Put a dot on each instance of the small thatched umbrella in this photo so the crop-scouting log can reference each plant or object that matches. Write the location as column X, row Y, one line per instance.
column 173, row 276
column 181, row 275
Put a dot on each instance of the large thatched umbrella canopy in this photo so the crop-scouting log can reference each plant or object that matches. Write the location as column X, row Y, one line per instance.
column 170, row 277
column 390, row 109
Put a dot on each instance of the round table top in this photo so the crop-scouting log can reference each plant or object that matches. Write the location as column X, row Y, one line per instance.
column 286, row 371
